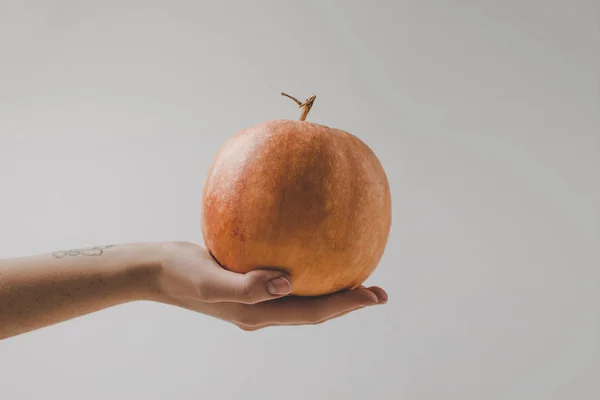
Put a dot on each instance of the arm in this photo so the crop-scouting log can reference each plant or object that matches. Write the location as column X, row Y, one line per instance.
column 42, row 290
column 46, row 289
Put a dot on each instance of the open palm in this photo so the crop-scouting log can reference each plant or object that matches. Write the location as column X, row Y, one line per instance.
column 192, row 279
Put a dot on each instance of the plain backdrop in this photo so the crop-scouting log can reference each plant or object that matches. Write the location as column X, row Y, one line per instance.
column 485, row 115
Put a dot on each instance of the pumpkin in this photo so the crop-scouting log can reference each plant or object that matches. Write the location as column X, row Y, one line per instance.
column 301, row 197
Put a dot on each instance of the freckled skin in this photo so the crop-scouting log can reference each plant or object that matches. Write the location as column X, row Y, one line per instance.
column 298, row 196
column 41, row 290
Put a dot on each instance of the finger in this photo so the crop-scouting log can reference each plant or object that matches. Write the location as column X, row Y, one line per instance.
column 253, row 287
column 310, row 310
column 380, row 293
column 253, row 328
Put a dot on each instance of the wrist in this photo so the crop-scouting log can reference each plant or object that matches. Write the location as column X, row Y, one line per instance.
column 170, row 277
column 141, row 264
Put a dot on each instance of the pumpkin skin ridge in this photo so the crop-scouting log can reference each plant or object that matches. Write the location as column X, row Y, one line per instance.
column 308, row 153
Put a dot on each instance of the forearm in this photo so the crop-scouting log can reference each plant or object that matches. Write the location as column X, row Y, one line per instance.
column 42, row 290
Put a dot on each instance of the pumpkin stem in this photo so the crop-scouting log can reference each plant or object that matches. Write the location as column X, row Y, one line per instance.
column 306, row 106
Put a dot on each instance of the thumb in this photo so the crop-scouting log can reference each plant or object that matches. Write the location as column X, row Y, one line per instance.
column 249, row 288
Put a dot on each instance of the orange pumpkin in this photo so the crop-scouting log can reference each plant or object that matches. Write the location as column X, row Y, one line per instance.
column 301, row 197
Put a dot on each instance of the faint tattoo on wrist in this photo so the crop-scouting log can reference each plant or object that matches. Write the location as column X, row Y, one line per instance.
column 88, row 251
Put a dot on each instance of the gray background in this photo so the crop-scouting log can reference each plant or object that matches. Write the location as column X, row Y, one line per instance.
column 485, row 115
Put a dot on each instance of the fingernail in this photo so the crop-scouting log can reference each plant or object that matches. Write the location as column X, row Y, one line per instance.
column 383, row 298
column 279, row 286
column 379, row 293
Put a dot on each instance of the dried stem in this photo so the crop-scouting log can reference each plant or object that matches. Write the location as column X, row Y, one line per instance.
column 306, row 106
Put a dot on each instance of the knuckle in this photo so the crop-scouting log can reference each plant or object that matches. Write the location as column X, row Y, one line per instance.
column 253, row 289
column 247, row 328
column 321, row 316
column 315, row 319
column 247, row 319
column 203, row 290
column 247, row 295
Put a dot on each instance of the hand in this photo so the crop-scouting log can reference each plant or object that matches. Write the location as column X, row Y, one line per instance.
column 189, row 277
